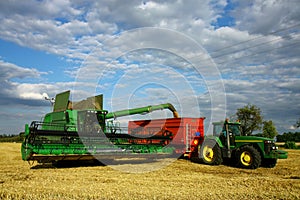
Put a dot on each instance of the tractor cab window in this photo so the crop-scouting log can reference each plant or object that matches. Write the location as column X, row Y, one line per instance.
column 217, row 129
column 234, row 129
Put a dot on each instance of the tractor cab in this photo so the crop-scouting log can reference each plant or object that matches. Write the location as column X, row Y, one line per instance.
column 221, row 129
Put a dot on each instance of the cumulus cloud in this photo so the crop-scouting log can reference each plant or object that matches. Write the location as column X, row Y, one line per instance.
column 257, row 56
column 266, row 16
column 10, row 70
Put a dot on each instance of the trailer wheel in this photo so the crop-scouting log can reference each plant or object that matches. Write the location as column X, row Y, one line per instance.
column 269, row 163
column 210, row 153
column 248, row 157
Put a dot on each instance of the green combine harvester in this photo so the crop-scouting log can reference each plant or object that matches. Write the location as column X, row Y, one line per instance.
column 83, row 131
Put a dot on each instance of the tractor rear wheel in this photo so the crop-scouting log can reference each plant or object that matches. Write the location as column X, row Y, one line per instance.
column 210, row 153
column 248, row 157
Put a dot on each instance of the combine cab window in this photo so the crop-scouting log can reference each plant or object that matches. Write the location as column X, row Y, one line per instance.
column 90, row 122
column 101, row 120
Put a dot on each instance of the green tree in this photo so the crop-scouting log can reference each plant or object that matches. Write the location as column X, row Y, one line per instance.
column 269, row 130
column 250, row 118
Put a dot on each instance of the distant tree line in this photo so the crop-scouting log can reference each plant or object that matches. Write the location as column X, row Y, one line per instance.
column 285, row 137
column 11, row 138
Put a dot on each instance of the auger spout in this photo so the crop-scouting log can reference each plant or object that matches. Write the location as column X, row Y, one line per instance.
column 143, row 110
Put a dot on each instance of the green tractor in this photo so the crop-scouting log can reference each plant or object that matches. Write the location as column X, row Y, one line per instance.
column 228, row 145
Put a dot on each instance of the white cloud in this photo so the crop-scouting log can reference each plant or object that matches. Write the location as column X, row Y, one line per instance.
column 9, row 70
column 253, row 61
column 31, row 95
column 263, row 16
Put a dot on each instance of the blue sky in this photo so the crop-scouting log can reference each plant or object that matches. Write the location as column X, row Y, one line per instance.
column 208, row 58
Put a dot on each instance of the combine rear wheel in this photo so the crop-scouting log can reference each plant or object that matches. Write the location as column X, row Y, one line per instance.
column 248, row 157
column 210, row 153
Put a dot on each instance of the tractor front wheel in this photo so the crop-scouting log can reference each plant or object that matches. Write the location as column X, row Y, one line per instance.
column 210, row 153
column 248, row 157
column 269, row 163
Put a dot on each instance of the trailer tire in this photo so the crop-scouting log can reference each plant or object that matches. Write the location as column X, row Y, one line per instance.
column 248, row 157
column 210, row 153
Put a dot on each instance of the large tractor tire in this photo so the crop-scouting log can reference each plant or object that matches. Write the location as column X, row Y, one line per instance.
column 248, row 157
column 210, row 153
column 269, row 163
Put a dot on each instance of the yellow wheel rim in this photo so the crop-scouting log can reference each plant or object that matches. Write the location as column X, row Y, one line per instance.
column 246, row 158
column 208, row 154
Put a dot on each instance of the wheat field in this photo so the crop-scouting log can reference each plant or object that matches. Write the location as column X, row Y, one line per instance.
column 180, row 179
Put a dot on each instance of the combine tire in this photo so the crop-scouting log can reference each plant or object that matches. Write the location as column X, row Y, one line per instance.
column 269, row 163
column 210, row 153
column 248, row 157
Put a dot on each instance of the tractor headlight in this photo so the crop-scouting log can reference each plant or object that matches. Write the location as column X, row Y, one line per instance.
column 268, row 141
column 269, row 146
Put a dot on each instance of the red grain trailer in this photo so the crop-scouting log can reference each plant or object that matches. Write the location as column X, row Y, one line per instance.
column 186, row 132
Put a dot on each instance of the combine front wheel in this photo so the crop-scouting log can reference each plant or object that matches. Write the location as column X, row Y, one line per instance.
column 210, row 153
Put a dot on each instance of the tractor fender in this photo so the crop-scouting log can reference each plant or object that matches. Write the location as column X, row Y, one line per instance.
column 214, row 138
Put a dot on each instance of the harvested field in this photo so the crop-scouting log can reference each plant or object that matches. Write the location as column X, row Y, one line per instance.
column 181, row 179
